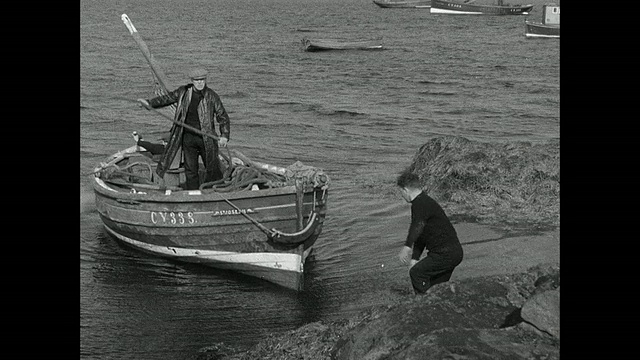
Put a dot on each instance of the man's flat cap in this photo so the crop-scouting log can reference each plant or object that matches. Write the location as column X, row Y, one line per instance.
column 196, row 74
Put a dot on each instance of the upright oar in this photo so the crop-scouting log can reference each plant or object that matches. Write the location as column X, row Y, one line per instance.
column 157, row 71
column 158, row 74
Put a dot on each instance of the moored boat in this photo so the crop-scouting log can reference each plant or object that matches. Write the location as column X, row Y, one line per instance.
column 263, row 226
column 341, row 44
column 470, row 8
column 550, row 25
column 400, row 4
column 535, row 29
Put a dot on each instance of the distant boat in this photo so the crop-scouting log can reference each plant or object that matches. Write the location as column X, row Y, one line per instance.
column 469, row 8
column 550, row 25
column 403, row 4
column 340, row 44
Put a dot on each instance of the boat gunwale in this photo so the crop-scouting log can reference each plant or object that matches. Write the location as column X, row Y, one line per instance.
column 539, row 24
column 179, row 196
column 206, row 195
column 470, row 5
column 408, row 4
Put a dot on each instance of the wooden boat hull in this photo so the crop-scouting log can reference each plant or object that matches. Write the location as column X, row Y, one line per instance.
column 284, row 269
column 539, row 30
column 214, row 229
column 312, row 45
column 402, row 4
column 458, row 8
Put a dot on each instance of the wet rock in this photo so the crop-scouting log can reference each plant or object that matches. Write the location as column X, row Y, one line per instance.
column 464, row 322
column 542, row 310
column 476, row 318
column 547, row 282
column 476, row 344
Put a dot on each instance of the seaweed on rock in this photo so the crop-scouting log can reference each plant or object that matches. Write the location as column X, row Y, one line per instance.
column 516, row 182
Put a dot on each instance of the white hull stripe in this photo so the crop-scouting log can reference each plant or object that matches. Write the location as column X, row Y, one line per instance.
column 276, row 261
column 445, row 11
column 541, row 35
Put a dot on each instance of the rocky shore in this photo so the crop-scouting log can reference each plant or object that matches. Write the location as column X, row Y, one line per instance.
column 504, row 300
column 514, row 316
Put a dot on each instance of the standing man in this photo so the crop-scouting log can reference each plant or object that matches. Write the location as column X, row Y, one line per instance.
column 197, row 106
column 431, row 229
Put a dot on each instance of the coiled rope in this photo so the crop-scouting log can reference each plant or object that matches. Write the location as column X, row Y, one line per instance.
column 121, row 171
column 243, row 177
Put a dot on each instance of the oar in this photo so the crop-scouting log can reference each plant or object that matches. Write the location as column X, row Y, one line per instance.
column 198, row 131
column 162, row 79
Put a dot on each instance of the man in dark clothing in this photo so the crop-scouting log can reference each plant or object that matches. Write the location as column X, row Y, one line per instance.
column 430, row 229
column 197, row 106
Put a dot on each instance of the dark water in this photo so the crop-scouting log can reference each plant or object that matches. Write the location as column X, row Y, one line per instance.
column 359, row 115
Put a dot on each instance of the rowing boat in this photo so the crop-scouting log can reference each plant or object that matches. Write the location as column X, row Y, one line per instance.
column 403, row 4
column 467, row 7
column 324, row 44
column 263, row 223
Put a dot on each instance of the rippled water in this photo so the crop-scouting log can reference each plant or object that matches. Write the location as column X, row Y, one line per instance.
column 360, row 115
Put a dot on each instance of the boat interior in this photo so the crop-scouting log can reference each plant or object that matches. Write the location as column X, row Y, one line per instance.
column 134, row 169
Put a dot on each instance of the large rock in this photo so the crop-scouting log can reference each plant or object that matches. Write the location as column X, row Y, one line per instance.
column 476, row 318
column 476, row 344
column 497, row 183
column 543, row 311
column 471, row 319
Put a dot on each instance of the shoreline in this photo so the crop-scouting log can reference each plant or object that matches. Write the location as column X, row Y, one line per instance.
column 492, row 254
column 504, row 203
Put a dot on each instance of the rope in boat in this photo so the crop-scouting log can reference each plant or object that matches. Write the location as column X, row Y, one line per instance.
column 237, row 177
column 121, row 171
column 243, row 177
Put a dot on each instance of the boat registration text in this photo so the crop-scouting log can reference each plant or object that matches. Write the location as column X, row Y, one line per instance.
column 179, row 217
column 170, row 217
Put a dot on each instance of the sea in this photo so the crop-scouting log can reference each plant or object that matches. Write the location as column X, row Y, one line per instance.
column 359, row 115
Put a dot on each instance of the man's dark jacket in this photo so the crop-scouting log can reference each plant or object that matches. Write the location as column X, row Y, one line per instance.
column 209, row 109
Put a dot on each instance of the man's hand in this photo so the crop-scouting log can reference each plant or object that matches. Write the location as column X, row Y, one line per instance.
column 405, row 254
column 223, row 141
column 144, row 103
